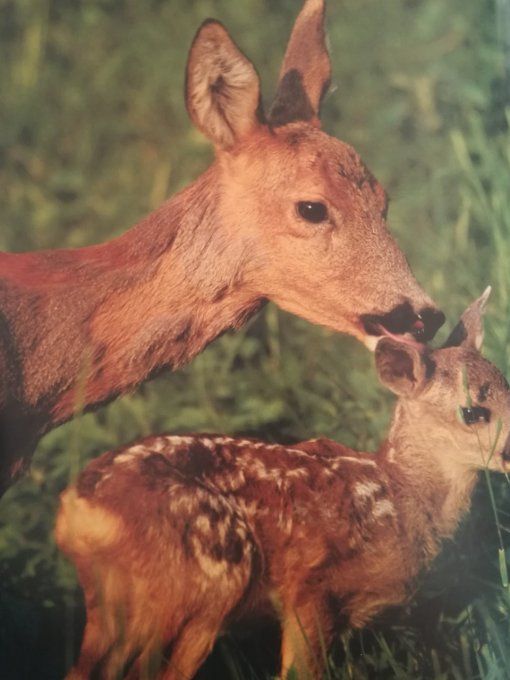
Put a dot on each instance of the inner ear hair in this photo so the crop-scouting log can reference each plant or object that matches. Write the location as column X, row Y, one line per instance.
column 400, row 366
column 222, row 87
column 396, row 364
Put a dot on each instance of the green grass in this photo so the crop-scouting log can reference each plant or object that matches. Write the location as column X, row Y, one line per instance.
column 94, row 135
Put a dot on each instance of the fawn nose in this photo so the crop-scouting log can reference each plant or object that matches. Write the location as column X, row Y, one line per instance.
column 402, row 319
column 505, row 454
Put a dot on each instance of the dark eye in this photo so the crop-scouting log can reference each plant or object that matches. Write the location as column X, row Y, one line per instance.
column 312, row 211
column 475, row 414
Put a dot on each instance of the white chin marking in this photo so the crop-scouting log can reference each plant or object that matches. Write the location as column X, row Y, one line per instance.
column 371, row 341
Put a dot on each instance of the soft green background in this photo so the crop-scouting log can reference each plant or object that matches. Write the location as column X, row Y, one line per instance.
column 94, row 134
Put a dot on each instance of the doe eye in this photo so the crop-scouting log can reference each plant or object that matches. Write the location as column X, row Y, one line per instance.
column 312, row 211
column 475, row 414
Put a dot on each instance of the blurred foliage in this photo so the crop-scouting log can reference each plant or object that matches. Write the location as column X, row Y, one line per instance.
column 94, row 135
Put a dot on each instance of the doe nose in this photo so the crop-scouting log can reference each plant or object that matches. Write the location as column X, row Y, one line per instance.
column 403, row 319
column 427, row 323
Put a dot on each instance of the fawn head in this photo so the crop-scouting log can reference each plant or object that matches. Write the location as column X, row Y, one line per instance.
column 454, row 398
column 299, row 209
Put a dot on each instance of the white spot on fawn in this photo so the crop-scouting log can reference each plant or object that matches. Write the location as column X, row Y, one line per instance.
column 382, row 508
column 213, row 568
column 175, row 440
column 202, row 522
column 351, row 459
column 285, row 522
column 366, row 489
column 233, row 481
column 223, row 440
column 300, row 472
column 103, row 479
column 258, row 468
column 132, row 453
column 244, row 442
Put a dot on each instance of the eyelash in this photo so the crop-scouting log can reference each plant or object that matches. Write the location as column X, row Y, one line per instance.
column 475, row 414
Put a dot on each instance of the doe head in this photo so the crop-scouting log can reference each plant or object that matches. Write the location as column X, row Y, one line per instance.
column 304, row 215
column 452, row 397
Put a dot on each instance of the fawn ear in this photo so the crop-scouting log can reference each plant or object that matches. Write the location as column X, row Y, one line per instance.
column 400, row 367
column 306, row 70
column 469, row 331
column 222, row 87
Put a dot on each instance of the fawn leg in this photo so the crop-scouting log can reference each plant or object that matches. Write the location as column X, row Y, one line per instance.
column 305, row 636
column 149, row 661
column 108, row 644
column 96, row 647
column 190, row 649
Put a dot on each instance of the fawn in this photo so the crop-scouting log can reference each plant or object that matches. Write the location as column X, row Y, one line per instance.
column 285, row 213
column 175, row 538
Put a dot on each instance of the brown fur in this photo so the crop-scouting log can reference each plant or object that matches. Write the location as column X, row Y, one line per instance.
column 80, row 327
column 202, row 532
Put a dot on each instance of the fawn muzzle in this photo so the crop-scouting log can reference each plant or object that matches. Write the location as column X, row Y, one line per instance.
column 505, row 453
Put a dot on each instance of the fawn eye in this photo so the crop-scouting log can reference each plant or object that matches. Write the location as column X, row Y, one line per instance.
column 312, row 211
column 475, row 414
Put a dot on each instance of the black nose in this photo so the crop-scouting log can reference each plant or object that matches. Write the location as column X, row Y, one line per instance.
column 403, row 319
column 505, row 454
column 428, row 322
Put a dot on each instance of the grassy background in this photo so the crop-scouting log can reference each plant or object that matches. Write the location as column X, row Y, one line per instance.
column 94, row 134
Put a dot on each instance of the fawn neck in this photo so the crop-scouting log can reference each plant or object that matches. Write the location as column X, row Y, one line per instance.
column 79, row 327
column 433, row 486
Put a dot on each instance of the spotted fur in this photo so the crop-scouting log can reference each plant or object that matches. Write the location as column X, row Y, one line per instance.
column 269, row 527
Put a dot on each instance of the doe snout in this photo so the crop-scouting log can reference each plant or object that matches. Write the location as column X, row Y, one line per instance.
column 422, row 325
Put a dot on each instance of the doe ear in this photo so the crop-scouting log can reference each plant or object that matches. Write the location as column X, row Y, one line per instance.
column 469, row 331
column 400, row 367
column 306, row 70
column 222, row 87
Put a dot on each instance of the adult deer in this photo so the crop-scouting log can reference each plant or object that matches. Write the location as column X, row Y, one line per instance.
column 285, row 213
column 322, row 536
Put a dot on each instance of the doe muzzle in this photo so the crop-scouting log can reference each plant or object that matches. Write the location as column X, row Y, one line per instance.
column 422, row 325
column 427, row 324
